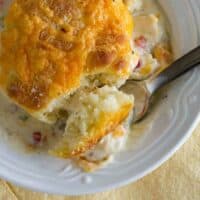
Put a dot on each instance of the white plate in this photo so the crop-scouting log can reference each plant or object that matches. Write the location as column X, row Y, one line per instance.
column 178, row 116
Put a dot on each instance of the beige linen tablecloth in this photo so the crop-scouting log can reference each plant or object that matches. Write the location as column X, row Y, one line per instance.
column 177, row 179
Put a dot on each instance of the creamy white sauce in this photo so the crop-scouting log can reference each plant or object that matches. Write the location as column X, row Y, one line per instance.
column 151, row 29
column 151, row 7
column 106, row 147
column 20, row 127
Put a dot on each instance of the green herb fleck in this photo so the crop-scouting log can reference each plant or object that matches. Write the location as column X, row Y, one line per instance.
column 23, row 117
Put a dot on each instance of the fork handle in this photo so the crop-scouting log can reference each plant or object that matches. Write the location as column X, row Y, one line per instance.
column 176, row 69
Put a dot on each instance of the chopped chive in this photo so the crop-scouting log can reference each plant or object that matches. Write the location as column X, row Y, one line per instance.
column 23, row 117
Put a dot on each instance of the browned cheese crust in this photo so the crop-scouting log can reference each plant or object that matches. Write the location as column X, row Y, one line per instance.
column 48, row 46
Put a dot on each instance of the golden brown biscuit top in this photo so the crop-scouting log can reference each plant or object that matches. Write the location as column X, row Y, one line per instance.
column 47, row 46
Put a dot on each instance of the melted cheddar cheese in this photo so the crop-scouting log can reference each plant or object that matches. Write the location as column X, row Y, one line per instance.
column 48, row 46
